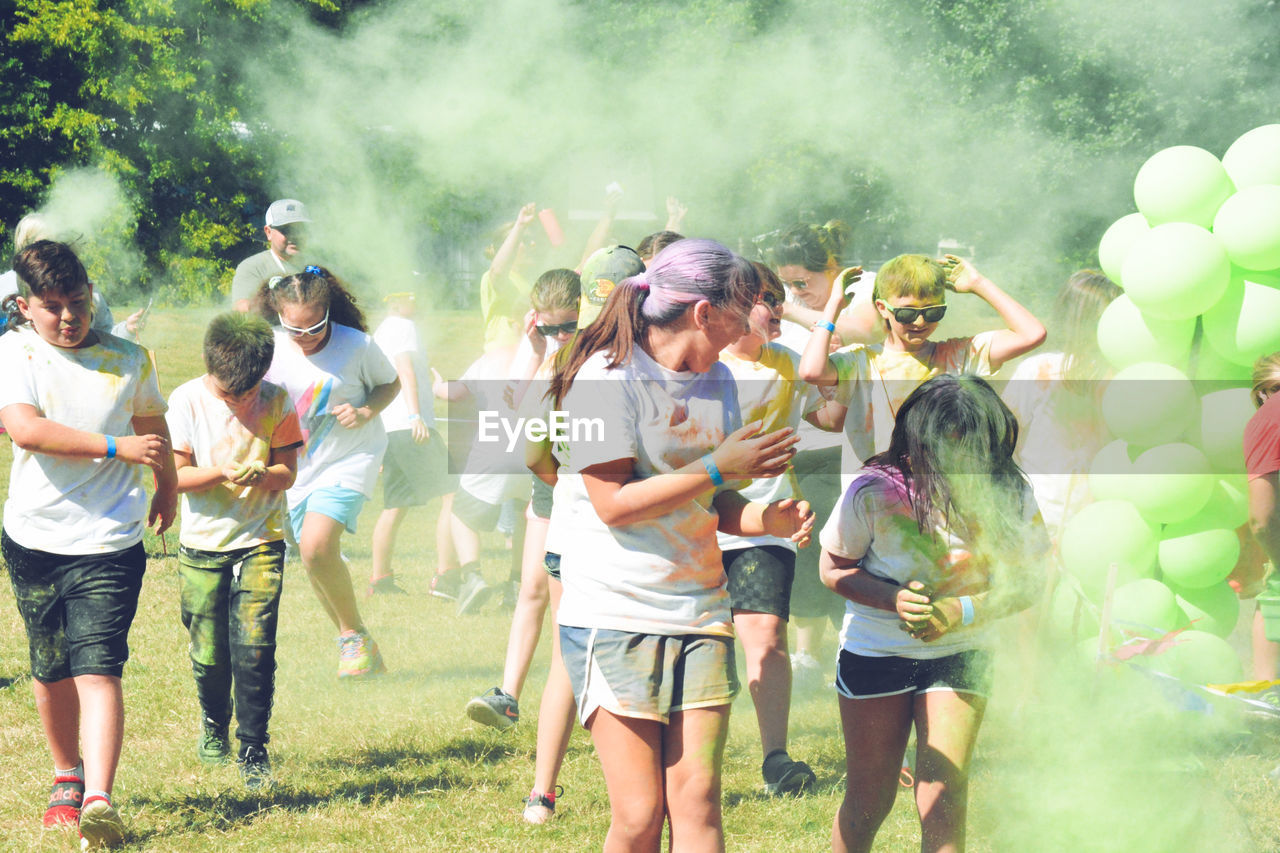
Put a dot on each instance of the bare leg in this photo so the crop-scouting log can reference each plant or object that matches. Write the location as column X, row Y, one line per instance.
column 526, row 622
column 946, row 730
column 322, row 556
column 446, row 557
column 875, row 738
column 465, row 540
column 1266, row 654
column 101, row 728
column 809, row 631
column 630, row 753
column 58, row 704
column 384, row 541
column 692, row 756
column 555, row 714
column 764, row 645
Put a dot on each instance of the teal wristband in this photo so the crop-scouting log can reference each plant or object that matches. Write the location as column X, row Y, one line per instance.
column 710, row 465
column 415, row 417
column 825, row 324
column 966, row 610
column 111, row 446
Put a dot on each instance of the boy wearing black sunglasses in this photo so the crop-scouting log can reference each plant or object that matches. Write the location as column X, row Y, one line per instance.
column 910, row 296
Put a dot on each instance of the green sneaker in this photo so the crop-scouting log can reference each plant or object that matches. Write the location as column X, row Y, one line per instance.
column 214, row 746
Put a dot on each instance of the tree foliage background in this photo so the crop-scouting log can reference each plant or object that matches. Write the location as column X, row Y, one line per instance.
column 899, row 116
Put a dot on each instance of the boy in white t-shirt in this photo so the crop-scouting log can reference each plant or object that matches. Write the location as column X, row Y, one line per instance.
column 84, row 412
column 235, row 443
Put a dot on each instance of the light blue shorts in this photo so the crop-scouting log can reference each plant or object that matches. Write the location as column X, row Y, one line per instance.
column 339, row 503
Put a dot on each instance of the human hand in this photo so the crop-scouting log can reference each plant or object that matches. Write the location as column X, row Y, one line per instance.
column 418, row 430
column 246, row 473
column 962, row 276
column 350, row 417
column 675, row 213
column 526, row 214
column 749, row 454
column 136, row 322
column 536, row 340
column 924, row 617
column 612, row 195
column 789, row 519
column 163, row 511
column 149, row 450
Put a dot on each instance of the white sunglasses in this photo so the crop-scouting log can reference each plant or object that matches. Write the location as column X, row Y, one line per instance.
column 310, row 330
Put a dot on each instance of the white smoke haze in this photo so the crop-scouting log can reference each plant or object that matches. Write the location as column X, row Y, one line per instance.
column 89, row 209
column 418, row 107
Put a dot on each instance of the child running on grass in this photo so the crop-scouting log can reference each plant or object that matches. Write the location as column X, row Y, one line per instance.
column 935, row 539
column 339, row 381
column 235, row 443
column 873, row 380
column 645, row 626
column 85, row 414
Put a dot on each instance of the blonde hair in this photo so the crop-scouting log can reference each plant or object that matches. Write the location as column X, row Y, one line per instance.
column 1266, row 378
column 914, row 276
column 30, row 228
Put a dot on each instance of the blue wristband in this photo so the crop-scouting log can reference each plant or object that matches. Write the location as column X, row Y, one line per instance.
column 966, row 610
column 710, row 465
column 415, row 417
column 825, row 324
column 111, row 446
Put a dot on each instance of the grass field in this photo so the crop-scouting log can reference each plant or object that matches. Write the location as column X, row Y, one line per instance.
column 393, row 764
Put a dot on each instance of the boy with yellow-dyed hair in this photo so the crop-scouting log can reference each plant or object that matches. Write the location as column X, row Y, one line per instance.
column 235, row 443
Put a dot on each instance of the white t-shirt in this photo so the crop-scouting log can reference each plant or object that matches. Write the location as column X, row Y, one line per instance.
column 396, row 335
column 77, row 506
column 769, row 390
column 664, row 575
column 796, row 335
column 492, row 474
column 875, row 524
column 345, row 371
column 227, row 517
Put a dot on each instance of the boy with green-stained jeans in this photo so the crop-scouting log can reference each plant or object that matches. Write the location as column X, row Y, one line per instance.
column 235, row 443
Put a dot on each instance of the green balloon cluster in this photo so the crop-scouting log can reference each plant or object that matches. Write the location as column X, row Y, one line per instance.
column 1248, row 224
column 1106, row 532
column 1166, row 484
column 1127, row 336
column 1245, row 324
column 1146, row 607
column 1150, row 403
column 1214, row 609
column 1181, row 184
column 1117, row 241
column 1196, row 559
column 1175, row 271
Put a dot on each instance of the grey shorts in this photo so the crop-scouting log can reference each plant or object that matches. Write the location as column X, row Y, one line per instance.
column 415, row 474
column 647, row 676
column 760, row 578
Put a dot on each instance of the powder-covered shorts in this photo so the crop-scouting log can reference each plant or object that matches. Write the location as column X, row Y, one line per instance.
column 760, row 578
column 77, row 608
column 415, row 474
column 647, row 676
column 865, row 677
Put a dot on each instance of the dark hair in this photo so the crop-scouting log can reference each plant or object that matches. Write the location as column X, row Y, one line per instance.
column 814, row 247
column 309, row 288
column 44, row 267
column 656, row 242
column 1079, row 305
column 953, row 444
column 556, row 290
column 237, row 350
column 681, row 274
column 769, row 281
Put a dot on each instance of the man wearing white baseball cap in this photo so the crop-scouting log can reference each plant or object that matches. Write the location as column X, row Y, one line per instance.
column 286, row 230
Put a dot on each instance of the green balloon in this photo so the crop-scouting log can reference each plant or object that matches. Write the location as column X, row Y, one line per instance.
column 1166, row 483
column 1103, row 533
column 1198, row 559
column 1248, row 224
column 1226, row 509
column 1145, row 607
column 1110, row 471
column 1234, row 490
column 1223, row 415
column 1254, row 158
column 1116, row 241
column 1181, row 184
column 1150, row 403
column 1176, row 271
column 1127, row 336
column 1213, row 366
column 1215, row 609
column 1198, row 657
column 1245, row 323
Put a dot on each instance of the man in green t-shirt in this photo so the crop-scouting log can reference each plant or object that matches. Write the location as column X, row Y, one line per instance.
column 286, row 230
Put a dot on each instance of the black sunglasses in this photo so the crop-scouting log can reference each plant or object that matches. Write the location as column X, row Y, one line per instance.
column 771, row 300
column 564, row 328
column 906, row 316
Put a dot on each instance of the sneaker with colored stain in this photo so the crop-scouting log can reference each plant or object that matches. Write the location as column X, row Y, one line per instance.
column 540, row 808
column 100, row 825
column 358, row 655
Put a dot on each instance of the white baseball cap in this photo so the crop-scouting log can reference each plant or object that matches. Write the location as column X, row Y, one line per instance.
column 286, row 211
